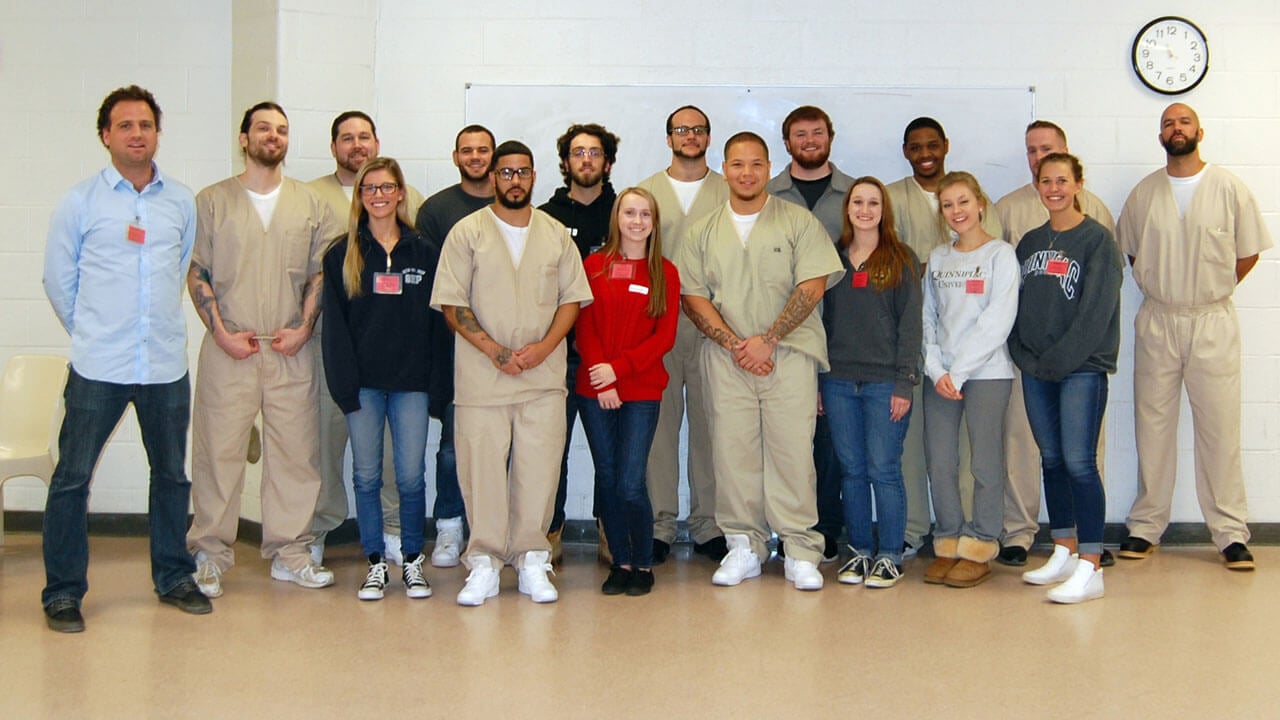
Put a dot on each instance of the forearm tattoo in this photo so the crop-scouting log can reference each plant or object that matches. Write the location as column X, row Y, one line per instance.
column 798, row 307
column 311, row 300
column 504, row 356
column 202, row 295
column 467, row 320
column 717, row 335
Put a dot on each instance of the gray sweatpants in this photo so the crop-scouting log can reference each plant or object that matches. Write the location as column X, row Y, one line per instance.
column 983, row 411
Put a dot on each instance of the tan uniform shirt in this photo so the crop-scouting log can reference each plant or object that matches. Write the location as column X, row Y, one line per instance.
column 713, row 193
column 514, row 304
column 1191, row 260
column 1021, row 211
column 750, row 285
column 917, row 221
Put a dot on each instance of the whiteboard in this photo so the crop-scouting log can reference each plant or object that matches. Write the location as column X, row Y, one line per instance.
column 985, row 125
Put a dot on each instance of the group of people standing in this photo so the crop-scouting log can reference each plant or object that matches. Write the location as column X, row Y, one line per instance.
column 788, row 319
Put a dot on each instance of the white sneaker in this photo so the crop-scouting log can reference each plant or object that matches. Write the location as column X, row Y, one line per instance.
column 1059, row 567
column 482, row 583
column 415, row 584
column 311, row 576
column 533, row 577
column 448, row 549
column 803, row 574
column 1084, row 584
column 391, row 548
column 208, row 576
column 740, row 563
column 316, row 551
column 374, row 583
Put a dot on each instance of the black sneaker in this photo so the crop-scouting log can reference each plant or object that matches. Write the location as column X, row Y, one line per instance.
column 1108, row 558
column 714, row 549
column 1237, row 557
column 617, row 582
column 884, row 574
column 1012, row 555
column 661, row 550
column 641, row 582
column 188, row 598
column 64, row 616
column 830, row 549
column 1135, row 548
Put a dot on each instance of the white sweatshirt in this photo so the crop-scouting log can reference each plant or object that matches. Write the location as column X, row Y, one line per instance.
column 970, row 303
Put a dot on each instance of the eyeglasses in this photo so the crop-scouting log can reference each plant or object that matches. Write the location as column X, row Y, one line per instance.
column 510, row 174
column 386, row 188
column 695, row 129
column 586, row 152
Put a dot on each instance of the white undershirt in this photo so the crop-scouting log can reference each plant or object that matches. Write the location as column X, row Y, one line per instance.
column 515, row 237
column 931, row 197
column 265, row 204
column 1183, row 188
column 743, row 224
column 686, row 191
column 348, row 190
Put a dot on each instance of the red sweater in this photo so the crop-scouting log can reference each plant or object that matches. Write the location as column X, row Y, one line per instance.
column 616, row 329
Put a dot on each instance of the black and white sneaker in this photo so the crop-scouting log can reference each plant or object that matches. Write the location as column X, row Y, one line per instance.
column 884, row 574
column 415, row 584
column 854, row 572
column 375, row 582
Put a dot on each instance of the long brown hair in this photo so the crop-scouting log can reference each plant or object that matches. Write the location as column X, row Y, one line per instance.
column 886, row 263
column 1073, row 164
column 353, row 260
column 653, row 253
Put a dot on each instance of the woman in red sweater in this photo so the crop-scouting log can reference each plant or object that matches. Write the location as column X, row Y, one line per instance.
column 622, row 336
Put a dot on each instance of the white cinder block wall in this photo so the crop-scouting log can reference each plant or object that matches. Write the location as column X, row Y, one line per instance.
column 407, row 63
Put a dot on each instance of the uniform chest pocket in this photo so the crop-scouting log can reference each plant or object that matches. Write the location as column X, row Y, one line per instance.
column 548, row 288
column 773, row 265
column 296, row 252
column 1218, row 248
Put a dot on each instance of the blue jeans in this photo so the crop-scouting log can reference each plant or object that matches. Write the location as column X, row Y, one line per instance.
column 407, row 413
column 448, row 492
column 92, row 410
column 1066, row 417
column 868, row 447
column 620, row 441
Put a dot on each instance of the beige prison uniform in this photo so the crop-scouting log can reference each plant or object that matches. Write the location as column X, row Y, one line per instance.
column 331, row 507
column 258, row 277
column 1020, row 212
column 762, row 427
column 922, row 229
column 499, row 416
column 685, row 387
column 1186, row 333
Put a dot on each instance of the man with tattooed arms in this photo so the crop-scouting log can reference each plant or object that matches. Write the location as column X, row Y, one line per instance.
column 751, row 273
column 510, row 282
column 255, row 281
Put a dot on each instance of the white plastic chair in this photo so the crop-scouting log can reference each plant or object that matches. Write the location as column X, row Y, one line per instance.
column 30, row 413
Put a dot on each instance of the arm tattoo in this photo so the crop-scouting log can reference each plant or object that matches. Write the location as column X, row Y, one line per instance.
column 467, row 320
column 198, row 284
column 311, row 300
column 717, row 335
column 798, row 307
column 504, row 356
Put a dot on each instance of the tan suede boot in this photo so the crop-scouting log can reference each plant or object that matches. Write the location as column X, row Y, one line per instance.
column 945, row 549
column 975, row 562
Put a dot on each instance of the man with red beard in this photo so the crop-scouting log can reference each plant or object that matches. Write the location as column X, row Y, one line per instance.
column 582, row 204
column 509, row 284
column 813, row 181
column 1192, row 232
column 255, row 281
column 354, row 140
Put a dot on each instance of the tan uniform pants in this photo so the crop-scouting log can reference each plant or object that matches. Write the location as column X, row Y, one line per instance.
column 1198, row 347
column 229, row 395
column 508, row 469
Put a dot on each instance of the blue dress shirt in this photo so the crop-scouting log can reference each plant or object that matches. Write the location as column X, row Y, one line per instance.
column 120, row 299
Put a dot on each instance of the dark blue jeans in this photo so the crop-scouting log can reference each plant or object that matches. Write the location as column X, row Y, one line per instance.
column 868, row 446
column 1066, row 417
column 620, row 441
column 93, row 409
column 406, row 412
column 448, row 493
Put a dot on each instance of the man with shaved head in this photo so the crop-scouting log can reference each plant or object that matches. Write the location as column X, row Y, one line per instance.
column 1192, row 231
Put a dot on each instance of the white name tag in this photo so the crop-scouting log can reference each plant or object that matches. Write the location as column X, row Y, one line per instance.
column 639, row 289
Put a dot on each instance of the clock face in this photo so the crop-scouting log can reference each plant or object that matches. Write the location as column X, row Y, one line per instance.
column 1170, row 55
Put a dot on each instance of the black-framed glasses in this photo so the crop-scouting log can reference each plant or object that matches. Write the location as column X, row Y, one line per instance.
column 387, row 188
column 510, row 174
column 695, row 129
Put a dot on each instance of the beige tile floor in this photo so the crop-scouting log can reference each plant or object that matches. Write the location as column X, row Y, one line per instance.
column 1177, row 636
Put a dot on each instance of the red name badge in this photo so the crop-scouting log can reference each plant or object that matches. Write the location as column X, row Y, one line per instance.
column 622, row 271
column 975, row 287
column 387, row 284
column 136, row 235
column 860, row 279
column 1056, row 267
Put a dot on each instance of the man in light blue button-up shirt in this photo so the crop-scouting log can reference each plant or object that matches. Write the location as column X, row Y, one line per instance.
column 116, row 257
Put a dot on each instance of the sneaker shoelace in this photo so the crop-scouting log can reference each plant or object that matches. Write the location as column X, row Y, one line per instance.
column 857, row 564
column 413, row 573
column 376, row 577
column 886, row 569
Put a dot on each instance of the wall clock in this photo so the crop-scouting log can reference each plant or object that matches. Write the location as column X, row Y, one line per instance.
column 1170, row 55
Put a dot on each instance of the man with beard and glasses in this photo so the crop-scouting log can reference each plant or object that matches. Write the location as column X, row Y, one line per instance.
column 472, row 153
column 509, row 283
column 915, row 214
column 1192, row 232
column 751, row 274
column 353, row 140
column 685, row 191
column 813, row 181
column 583, row 204
column 255, row 281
